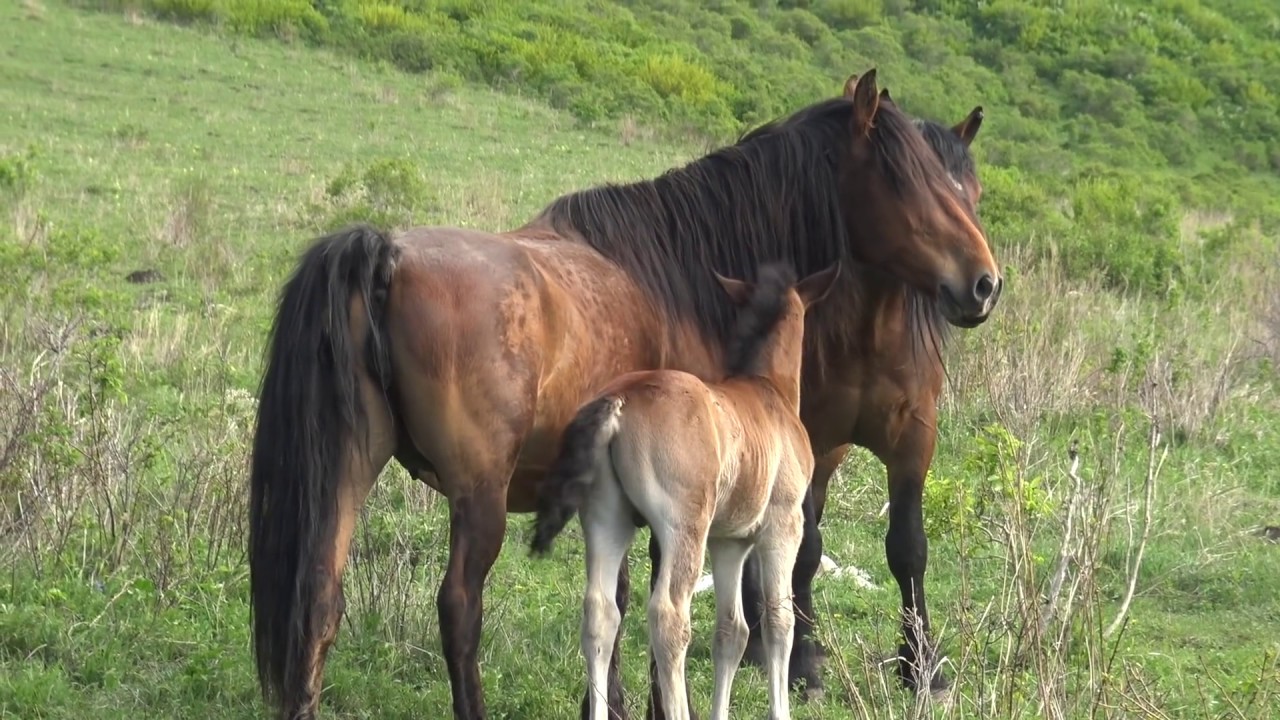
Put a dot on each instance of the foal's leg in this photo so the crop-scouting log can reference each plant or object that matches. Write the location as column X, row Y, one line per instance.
column 669, row 600
column 608, row 531
column 777, row 552
column 727, row 559
column 617, row 700
column 656, row 708
column 807, row 654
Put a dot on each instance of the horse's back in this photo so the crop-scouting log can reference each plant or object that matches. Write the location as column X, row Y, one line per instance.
column 688, row 446
column 497, row 339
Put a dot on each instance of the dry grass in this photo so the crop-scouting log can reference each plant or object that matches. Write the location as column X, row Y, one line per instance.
column 79, row 470
column 188, row 217
column 33, row 9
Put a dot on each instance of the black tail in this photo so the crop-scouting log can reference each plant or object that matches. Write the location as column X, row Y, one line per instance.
column 308, row 410
column 561, row 492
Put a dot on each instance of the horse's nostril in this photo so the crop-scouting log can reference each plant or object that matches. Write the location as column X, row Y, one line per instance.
column 984, row 288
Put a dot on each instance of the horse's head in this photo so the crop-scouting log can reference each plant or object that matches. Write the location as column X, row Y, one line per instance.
column 908, row 214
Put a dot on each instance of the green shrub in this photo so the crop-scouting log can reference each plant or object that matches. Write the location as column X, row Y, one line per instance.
column 985, row 490
column 387, row 192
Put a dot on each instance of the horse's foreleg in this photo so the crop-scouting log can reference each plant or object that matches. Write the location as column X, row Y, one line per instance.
column 907, row 551
column 806, row 662
column 477, row 524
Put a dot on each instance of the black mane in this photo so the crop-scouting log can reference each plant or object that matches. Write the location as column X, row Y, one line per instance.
column 953, row 153
column 773, row 196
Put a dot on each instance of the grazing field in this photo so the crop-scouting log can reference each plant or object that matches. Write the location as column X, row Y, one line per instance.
column 157, row 183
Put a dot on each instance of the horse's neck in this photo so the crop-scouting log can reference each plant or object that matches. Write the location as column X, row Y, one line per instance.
column 874, row 326
column 785, row 388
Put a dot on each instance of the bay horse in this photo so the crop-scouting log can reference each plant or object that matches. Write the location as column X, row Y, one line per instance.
column 882, row 395
column 720, row 466
column 463, row 354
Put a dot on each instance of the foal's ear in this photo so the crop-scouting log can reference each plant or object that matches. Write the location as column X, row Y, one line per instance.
column 866, row 100
column 815, row 287
column 967, row 129
column 739, row 291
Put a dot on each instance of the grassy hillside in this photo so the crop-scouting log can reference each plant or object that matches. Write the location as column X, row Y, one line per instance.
column 128, row 144
column 1111, row 116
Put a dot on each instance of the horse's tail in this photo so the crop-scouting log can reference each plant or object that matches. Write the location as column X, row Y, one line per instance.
column 583, row 447
column 309, row 412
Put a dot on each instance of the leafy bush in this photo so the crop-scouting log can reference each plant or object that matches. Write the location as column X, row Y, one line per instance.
column 387, row 192
column 988, row 488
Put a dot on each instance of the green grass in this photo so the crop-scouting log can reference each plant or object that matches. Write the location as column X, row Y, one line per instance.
column 126, row 144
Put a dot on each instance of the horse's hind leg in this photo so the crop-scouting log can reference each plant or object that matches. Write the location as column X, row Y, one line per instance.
column 477, row 524
column 727, row 559
column 355, row 482
column 656, row 707
column 669, row 600
column 777, row 554
column 608, row 531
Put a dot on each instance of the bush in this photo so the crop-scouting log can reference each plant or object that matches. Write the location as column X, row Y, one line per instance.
column 388, row 192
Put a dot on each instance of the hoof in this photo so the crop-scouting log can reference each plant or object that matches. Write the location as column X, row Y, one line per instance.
column 913, row 677
column 807, row 661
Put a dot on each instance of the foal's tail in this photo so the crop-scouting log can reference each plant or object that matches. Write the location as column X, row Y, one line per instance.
column 582, row 447
column 309, row 412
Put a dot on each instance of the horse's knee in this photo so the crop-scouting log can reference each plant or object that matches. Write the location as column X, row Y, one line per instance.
column 733, row 633
column 451, row 601
column 669, row 627
column 779, row 620
column 600, row 617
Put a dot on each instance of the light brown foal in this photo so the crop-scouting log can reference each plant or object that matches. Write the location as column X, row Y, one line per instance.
column 706, row 465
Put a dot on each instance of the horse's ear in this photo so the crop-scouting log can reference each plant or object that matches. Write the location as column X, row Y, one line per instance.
column 849, row 86
column 884, row 95
column 967, row 129
column 739, row 292
column 815, row 287
column 866, row 100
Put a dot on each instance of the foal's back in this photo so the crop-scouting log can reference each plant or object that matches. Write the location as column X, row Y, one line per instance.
column 714, row 448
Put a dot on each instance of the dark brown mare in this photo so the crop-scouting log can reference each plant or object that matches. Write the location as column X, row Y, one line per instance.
column 463, row 354
column 882, row 395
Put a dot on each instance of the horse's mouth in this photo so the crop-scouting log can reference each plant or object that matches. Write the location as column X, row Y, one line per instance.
column 958, row 316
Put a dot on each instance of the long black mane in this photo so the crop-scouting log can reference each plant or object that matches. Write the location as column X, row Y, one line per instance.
column 773, row 196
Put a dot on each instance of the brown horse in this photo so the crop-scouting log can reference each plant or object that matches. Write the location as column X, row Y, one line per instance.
column 720, row 466
column 882, row 395
column 463, row 354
